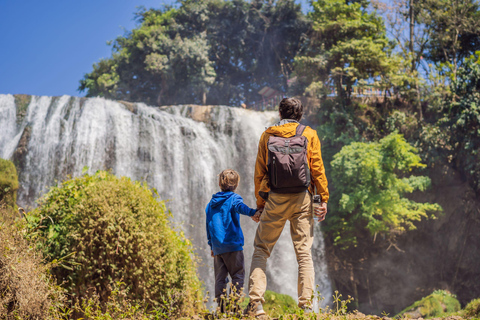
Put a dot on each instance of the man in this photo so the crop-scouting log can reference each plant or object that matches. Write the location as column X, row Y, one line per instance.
column 284, row 190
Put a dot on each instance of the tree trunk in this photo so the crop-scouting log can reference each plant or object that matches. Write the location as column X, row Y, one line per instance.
column 412, row 25
column 411, row 16
column 354, row 289
column 419, row 103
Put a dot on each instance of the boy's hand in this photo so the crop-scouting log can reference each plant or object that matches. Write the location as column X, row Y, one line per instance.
column 257, row 215
column 211, row 253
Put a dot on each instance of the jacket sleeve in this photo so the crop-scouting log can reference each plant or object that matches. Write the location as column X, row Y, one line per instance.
column 242, row 208
column 208, row 232
column 317, row 168
column 260, row 170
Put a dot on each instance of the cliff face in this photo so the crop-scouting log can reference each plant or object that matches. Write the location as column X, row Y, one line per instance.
column 441, row 254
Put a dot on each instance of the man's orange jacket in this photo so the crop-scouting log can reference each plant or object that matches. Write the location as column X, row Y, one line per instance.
column 314, row 156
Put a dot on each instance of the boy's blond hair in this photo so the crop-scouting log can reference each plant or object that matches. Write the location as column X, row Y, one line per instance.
column 228, row 180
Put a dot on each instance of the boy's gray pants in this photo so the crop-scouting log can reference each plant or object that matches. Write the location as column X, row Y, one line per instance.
column 232, row 263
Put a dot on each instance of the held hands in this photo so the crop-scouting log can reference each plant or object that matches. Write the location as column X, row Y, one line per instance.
column 257, row 215
column 321, row 211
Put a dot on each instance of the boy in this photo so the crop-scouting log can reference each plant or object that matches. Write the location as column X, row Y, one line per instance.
column 224, row 233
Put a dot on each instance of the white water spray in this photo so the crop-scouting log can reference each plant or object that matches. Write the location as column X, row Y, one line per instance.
column 179, row 156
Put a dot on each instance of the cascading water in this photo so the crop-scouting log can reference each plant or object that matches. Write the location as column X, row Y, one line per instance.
column 178, row 150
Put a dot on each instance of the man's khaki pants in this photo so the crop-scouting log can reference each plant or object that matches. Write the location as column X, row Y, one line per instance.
column 297, row 208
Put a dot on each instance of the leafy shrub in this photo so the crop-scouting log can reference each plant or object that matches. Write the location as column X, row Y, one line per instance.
column 472, row 309
column 461, row 119
column 439, row 303
column 277, row 304
column 26, row 288
column 8, row 183
column 371, row 180
column 101, row 229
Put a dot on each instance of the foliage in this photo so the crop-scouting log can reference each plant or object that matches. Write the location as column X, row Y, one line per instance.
column 339, row 127
column 472, row 309
column 371, row 181
column 153, row 60
column 27, row 290
column 8, row 183
column 348, row 45
column 437, row 304
column 208, row 51
column 119, row 306
column 100, row 229
column 22, row 101
column 461, row 119
column 277, row 304
column 454, row 27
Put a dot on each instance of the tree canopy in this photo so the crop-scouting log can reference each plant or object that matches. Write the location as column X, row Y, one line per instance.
column 347, row 45
column 224, row 52
column 208, row 51
column 371, row 180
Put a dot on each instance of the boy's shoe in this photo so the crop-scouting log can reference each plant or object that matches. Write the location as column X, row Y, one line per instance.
column 254, row 309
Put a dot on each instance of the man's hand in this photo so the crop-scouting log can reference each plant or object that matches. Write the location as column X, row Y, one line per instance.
column 257, row 215
column 321, row 211
column 211, row 253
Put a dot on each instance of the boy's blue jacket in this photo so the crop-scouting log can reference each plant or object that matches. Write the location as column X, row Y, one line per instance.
column 223, row 222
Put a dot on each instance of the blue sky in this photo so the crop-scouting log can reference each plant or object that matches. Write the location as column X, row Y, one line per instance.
column 47, row 46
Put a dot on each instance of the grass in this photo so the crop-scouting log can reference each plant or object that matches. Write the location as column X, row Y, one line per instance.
column 27, row 291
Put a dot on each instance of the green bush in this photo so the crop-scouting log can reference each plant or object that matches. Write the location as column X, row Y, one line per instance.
column 8, row 183
column 437, row 304
column 472, row 309
column 100, row 229
column 277, row 304
column 371, row 180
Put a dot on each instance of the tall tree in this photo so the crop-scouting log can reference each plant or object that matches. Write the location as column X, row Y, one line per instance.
column 410, row 41
column 455, row 30
column 208, row 51
column 461, row 119
column 442, row 32
column 348, row 45
column 154, row 63
column 372, row 181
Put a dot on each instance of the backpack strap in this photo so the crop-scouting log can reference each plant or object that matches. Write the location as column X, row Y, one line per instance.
column 300, row 129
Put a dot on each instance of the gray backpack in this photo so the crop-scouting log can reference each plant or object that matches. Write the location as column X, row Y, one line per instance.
column 287, row 163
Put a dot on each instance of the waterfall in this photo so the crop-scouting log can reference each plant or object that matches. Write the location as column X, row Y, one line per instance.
column 179, row 150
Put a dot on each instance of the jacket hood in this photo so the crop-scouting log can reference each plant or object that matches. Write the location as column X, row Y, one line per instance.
column 219, row 198
column 286, row 130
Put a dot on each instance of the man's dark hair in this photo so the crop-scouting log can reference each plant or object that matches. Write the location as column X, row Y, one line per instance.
column 291, row 108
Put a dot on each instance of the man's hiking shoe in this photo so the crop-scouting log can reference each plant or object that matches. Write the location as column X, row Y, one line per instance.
column 254, row 309
column 306, row 309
